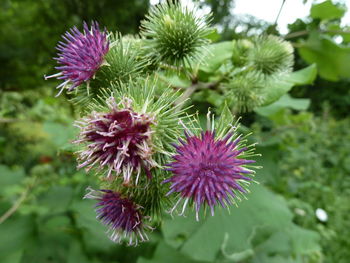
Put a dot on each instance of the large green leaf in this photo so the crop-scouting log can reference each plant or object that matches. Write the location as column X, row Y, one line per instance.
column 280, row 86
column 294, row 244
column 52, row 240
column 76, row 253
column 175, row 80
column 60, row 134
column 217, row 54
column 10, row 176
column 165, row 253
column 231, row 235
column 14, row 235
column 14, row 257
column 94, row 232
column 285, row 101
column 327, row 10
column 57, row 199
column 303, row 76
column 333, row 60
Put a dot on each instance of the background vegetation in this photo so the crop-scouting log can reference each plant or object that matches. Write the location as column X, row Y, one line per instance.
column 304, row 138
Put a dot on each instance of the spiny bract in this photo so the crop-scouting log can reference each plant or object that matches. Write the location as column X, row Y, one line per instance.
column 174, row 34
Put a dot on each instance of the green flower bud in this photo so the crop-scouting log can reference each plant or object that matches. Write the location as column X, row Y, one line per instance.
column 246, row 91
column 174, row 34
column 240, row 51
column 271, row 55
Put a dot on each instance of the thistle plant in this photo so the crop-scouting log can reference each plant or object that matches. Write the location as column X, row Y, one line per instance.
column 139, row 132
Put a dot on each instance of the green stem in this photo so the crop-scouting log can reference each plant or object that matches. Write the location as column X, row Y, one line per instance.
column 279, row 12
column 306, row 32
column 18, row 203
column 14, row 207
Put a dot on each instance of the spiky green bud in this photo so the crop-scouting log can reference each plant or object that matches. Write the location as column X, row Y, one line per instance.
column 271, row 55
column 240, row 51
column 174, row 34
column 246, row 91
column 123, row 61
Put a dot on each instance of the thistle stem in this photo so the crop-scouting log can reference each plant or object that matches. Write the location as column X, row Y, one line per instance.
column 18, row 203
column 14, row 207
column 279, row 12
column 188, row 92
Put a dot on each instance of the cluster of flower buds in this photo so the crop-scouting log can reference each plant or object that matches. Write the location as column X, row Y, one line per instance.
column 137, row 137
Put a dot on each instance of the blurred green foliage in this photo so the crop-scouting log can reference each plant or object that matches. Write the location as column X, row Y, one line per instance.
column 305, row 153
column 31, row 29
column 307, row 160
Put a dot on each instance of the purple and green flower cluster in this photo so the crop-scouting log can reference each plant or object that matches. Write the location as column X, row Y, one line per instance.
column 143, row 146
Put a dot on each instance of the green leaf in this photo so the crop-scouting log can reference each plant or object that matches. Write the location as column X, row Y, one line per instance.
column 239, row 225
column 303, row 76
column 285, row 101
column 327, row 10
column 223, row 123
column 53, row 237
column 57, row 199
column 280, row 86
column 76, row 253
column 10, row 176
column 15, row 233
column 239, row 235
column 94, row 232
column 292, row 244
column 213, row 36
column 215, row 98
column 165, row 253
column 175, row 80
column 14, row 257
column 217, row 55
column 333, row 61
column 60, row 134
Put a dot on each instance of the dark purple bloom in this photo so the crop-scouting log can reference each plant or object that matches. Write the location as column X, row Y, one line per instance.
column 118, row 140
column 120, row 214
column 80, row 56
column 208, row 171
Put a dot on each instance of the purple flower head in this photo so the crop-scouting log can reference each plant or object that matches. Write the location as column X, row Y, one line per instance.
column 120, row 214
column 80, row 56
column 208, row 171
column 118, row 140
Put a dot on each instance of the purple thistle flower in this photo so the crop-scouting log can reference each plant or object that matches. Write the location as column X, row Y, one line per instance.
column 81, row 56
column 120, row 214
column 118, row 140
column 208, row 171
